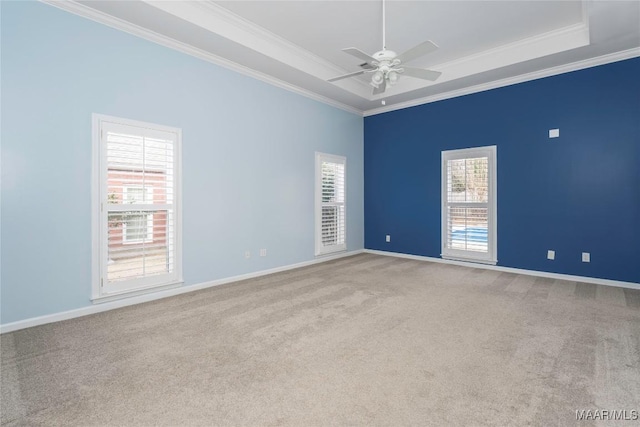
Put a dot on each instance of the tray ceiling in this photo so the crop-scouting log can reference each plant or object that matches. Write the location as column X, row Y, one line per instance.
column 297, row 44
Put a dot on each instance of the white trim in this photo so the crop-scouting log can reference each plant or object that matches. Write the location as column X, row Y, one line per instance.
column 223, row 22
column 105, row 19
column 138, row 299
column 135, row 30
column 558, row 276
column 491, row 256
column 535, row 75
column 320, row 249
column 138, row 291
column 474, row 260
column 96, row 205
column 540, row 45
column 100, row 209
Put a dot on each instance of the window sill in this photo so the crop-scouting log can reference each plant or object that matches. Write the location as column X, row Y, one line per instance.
column 133, row 293
column 474, row 260
column 331, row 252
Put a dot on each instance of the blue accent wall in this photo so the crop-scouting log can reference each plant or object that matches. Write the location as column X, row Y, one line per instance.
column 577, row 193
column 248, row 156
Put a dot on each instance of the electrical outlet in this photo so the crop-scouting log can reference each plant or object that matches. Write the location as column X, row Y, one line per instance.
column 388, row 238
column 551, row 254
column 247, row 254
column 554, row 133
column 586, row 257
column 263, row 252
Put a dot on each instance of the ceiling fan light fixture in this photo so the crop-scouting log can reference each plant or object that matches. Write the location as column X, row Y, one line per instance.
column 392, row 76
column 377, row 78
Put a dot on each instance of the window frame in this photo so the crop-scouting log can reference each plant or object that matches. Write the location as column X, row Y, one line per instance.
column 490, row 257
column 321, row 249
column 100, row 291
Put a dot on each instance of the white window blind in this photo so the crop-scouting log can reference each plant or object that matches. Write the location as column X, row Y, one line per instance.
column 469, row 204
column 139, row 245
column 330, row 204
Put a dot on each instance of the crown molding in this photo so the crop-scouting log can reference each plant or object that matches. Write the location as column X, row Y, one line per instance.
column 221, row 21
column 547, row 72
column 84, row 11
column 572, row 32
column 258, row 32
column 531, row 48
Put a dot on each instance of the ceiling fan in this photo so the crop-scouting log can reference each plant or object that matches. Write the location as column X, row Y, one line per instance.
column 386, row 66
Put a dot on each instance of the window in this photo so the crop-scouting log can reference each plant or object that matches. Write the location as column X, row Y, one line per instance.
column 469, row 204
column 330, row 204
column 137, row 228
column 137, row 239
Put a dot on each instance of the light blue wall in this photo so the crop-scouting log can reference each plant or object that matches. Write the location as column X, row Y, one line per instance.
column 248, row 156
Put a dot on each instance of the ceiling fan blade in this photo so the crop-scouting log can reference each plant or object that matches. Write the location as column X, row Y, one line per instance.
column 358, row 54
column 346, row 76
column 417, row 51
column 421, row 73
column 381, row 88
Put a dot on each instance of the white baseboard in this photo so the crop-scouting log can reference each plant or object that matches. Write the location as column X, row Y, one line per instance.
column 595, row 280
column 112, row 305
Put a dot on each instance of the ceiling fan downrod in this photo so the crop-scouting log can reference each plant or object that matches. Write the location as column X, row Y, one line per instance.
column 384, row 39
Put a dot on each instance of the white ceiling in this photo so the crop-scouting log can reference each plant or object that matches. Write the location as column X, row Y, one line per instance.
column 297, row 44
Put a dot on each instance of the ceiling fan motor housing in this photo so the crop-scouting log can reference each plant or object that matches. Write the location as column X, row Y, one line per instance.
column 385, row 62
column 383, row 55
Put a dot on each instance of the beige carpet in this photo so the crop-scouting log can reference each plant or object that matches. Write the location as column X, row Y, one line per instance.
column 365, row 340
